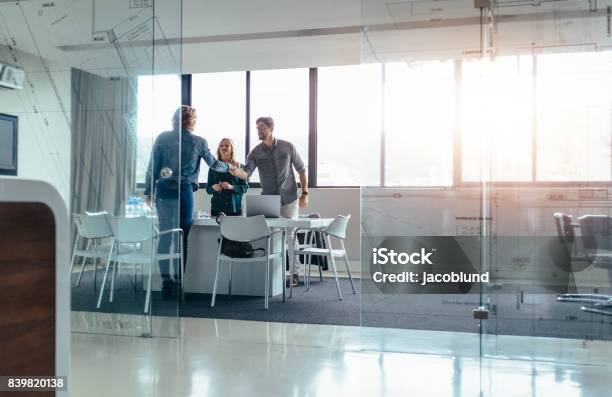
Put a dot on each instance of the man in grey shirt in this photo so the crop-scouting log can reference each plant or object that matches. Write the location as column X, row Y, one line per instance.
column 275, row 159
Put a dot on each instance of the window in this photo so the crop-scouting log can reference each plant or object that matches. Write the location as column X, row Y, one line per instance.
column 283, row 95
column 528, row 118
column 419, row 124
column 158, row 98
column 574, row 116
column 497, row 119
column 220, row 103
column 349, row 108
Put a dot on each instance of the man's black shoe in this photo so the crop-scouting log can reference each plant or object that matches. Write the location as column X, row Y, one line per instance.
column 168, row 290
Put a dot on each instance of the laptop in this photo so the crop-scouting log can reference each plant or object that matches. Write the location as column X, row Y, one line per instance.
column 266, row 205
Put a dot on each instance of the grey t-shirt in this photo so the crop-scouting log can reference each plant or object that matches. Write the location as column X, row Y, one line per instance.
column 275, row 173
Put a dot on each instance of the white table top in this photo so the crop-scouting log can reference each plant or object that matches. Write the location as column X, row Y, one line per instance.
column 275, row 222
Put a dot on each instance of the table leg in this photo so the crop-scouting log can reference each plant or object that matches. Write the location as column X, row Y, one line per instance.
column 284, row 265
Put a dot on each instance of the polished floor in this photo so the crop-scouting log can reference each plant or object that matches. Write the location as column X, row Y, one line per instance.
column 248, row 358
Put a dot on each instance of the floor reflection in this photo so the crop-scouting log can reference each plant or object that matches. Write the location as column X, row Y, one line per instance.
column 233, row 358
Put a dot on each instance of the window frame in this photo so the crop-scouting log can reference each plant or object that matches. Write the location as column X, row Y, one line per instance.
column 457, row 171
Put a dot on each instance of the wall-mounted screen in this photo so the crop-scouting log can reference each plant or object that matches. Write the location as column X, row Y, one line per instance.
column 8, row 144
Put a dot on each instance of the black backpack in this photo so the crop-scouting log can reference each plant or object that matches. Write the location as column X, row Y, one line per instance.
column 237, row 249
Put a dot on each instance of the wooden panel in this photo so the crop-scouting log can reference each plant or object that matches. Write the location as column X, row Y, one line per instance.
column 27, row 291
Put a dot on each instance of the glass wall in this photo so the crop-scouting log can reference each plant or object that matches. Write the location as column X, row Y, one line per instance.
column 524, row 114
column 126, row 278
column 481, row 149
column 102, row 80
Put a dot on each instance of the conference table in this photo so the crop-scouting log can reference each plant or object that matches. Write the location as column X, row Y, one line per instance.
column 247, row 278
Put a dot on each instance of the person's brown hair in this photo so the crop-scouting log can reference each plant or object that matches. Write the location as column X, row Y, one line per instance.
column 267, row 121
column 187, row 116
column 233, row 160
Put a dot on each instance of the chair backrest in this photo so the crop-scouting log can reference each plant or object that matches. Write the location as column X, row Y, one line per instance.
column 239, row 228
column 565, row 229
column 92, row 225
column 338, row 226
column 595, row 231
column 131, row 230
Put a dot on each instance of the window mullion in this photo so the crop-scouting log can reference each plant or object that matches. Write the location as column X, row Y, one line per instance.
column 382, row 127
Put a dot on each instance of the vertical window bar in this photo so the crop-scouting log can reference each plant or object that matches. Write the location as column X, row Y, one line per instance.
column 247, row 127
column 534, row 119
column 457, row 142
column 382, row 128
column 312, row 126
column 186, row 89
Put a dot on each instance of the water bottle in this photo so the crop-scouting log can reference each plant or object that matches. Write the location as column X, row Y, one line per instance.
column 140, row 208
column 131, row 208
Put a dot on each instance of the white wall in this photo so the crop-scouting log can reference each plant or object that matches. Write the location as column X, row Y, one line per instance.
column 43, row 109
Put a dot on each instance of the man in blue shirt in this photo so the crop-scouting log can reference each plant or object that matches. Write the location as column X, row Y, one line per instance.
column 172, row 176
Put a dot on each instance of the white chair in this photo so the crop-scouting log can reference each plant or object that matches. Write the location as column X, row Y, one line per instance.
column 141, row 231
column 248, row 230
column 93, row 228
column 336, row 229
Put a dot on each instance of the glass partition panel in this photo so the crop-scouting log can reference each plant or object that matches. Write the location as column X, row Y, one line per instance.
column 409, row 236
column 525, row 117
column 549, row 299
column 548, row 248
column 101, row 82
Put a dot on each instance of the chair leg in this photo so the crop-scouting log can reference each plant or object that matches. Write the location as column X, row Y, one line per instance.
column 333, row 262
column 312, row 243
column 149, row 288
column 284, row 265
column 229, row 288
column 182, row 268
column 74, row 249
column 110, row 254
column 83, row 264
column 214, row 293
column 95, row 275
column 348, row 268
column 320, row 268
column 291, row 266
column 112, row 291
column 267, row 282
column 135, row 285
column 307, row 272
